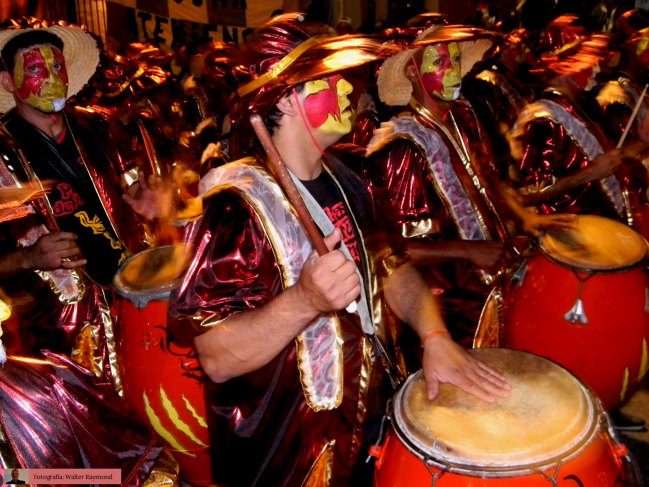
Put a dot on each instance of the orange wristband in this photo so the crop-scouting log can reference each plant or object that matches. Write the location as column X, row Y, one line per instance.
column 432, row 333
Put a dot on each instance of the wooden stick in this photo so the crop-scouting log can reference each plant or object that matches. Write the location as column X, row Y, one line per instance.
column 286, row 183
column 292, row 193
column 633, row 115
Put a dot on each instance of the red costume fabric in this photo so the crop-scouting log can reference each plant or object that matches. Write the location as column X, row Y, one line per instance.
column 545, row 149
column 433, row 178
column 54, row 415
column 237, row 268
column 78, row 322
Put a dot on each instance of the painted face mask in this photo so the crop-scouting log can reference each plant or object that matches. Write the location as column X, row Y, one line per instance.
column 41, row 79
column 440, row 71
column 326, row 104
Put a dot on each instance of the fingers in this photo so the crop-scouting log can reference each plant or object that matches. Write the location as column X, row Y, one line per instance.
column 333, row 239
column 432, row 387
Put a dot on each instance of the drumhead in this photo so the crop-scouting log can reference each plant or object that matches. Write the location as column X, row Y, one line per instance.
column 595, row 243
column 153, row 273
column 548, row 413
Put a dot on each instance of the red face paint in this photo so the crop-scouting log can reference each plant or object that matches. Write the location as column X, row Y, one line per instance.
column 41, row 79
column 440, row 71
column 325, row 103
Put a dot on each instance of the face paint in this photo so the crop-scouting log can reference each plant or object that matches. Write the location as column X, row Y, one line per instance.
column 440, row 71
column 326, row 104
column 41, row 79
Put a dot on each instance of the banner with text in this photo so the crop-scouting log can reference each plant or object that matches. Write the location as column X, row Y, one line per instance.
column 176, row 22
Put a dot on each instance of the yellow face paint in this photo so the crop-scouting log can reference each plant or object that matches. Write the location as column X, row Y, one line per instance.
column 41, row 79
column 440, row 71
column 326, row 104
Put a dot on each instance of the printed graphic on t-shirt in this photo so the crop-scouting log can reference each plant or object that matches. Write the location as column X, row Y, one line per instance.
column 70, row 200
column 341, row 219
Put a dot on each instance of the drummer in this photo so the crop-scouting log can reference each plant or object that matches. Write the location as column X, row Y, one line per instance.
column 563, row 160
column 431, row 168
column 59, row 257
column 297, row 380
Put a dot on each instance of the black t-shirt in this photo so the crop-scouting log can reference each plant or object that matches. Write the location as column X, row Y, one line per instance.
column 327, row 194
column 78, row 209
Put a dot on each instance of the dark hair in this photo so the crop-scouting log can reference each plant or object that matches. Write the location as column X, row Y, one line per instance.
column 27, row 39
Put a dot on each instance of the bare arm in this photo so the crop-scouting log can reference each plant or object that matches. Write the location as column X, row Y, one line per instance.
column 247, row 341
column 483, row 253
column 444, row 361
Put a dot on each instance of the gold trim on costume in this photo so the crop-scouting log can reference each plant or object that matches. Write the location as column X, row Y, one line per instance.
column 320, row 473
column 280, row 67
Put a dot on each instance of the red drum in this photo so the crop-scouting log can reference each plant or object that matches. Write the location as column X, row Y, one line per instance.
column 582, row 303
column 550, row 431
column 162, row 383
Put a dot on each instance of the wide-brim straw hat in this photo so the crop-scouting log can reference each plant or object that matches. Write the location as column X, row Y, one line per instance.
column 79, row 49
column 395, row 88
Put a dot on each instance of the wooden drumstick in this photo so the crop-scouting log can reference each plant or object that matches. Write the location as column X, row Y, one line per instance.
column 292, row 193
column 634, row 113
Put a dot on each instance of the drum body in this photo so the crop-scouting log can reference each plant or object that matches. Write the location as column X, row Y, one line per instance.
column 582, row 303
column 162, row 383
column 550, row 431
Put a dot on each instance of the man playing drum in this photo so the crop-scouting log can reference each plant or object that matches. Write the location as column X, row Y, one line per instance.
column 60, row 255
column 297, row 388
column 430, row 167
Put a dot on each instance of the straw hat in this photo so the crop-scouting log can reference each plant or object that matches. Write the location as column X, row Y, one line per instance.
column 394, row 86
column 79, row 49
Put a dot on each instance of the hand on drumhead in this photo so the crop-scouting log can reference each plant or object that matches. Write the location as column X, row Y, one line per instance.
column 485, row 254
column 534, row 224
column 445, row 361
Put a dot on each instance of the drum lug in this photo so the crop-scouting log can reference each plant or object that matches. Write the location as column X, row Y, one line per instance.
column 519, row 274
column 576, row 313
column 377, row 450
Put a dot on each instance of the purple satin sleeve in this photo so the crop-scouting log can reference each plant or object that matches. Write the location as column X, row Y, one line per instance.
column 56, row 416
column 233, row 268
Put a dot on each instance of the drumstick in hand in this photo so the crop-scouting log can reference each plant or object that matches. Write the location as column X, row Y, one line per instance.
column 292, row 193
column 634, row 113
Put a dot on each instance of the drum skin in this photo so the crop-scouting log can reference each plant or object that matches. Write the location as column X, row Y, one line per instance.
column 609, row 353
column 163, row 383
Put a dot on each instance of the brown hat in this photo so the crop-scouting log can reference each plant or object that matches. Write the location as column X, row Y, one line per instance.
column 79, row 49
column 394, row 86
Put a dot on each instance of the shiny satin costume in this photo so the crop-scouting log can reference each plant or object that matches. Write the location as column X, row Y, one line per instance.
column 553, row 138
column 66, row 311
column 54, row 415
column 306, row 417
column 434, row 177
column 618, row 99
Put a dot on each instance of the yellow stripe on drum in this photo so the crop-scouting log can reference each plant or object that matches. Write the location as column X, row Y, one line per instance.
column 161, row 430
column 199, row 419
column 176, row 420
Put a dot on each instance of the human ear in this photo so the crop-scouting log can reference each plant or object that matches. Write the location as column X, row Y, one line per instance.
column 7, row 82
column 286, row 104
